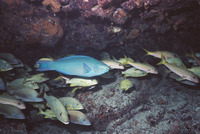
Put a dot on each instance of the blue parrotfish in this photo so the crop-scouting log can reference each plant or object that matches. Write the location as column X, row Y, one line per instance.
column 78, row 65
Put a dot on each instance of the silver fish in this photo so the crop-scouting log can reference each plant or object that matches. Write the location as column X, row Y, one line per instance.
column 7, row 99
column 10, row 111
column 78, row 117
column 71, row 103
column 26, row 95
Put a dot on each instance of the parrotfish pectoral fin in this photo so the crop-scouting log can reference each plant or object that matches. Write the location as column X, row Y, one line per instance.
column 44, row 65
column 87, row 69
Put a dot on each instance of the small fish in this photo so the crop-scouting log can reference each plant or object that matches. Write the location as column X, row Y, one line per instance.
column 180, row 71
column 143, row 66
column 57, row 108
column 48, row 113
column 9, row 58
column 11, row 112
column 113, row 64
column 80, row 82
column 78, row 65
column 192, row 55
column 22, row 83
column 78, row 117
column 7, row 99
column 5, row 66
column 26, row 95
column 38, row 78
column 71, row 103
column 2, row 85
column 125, row 84
column 195, row 70
column 133, row 72
column 157, row 54
column 176, row 61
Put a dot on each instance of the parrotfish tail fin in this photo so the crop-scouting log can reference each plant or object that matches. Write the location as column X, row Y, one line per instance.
column 147, row 52
column 163, row 61
column 44, row 65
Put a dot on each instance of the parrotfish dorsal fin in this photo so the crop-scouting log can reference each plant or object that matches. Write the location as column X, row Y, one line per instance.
column 45, row 59
column 87, row 69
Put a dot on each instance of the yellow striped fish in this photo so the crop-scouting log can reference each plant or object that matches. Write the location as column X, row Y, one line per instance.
column 157, row 54
column 143, row 66
column 180, row 71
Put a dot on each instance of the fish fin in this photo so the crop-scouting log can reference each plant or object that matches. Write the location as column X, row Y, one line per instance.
column 72, row 85
column 114, row 58
column 163, row 61
column 47, row 105
column 74, row 89
column 44, row 65
column 147, row 52
column 40, row 111
column 87, row 69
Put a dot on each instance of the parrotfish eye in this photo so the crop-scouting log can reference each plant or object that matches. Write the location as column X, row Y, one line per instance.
column 18, row 103
column 76, row 103
column 60, row 114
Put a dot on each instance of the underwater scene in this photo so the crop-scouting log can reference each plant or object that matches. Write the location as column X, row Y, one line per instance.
column 100, row 67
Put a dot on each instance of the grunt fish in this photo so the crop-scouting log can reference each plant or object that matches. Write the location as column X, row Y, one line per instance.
column 57, row 108
column 38, row 78
column 78, row 65
column 125, row 84
column 9, row 58
column 180, row 71
column 11, row 112
column 26, row 95
column 71, row 103
column 22, row 83
column 7, row 99
column 133, row 72
column 176, row 61
column 78, row 117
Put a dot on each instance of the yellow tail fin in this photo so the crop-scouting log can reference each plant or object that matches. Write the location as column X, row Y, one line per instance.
column 147, row 52
column 163, row 61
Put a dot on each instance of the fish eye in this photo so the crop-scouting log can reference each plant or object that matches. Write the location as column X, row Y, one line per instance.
column 60, row 114
column 76, row 103
column 18, row 103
